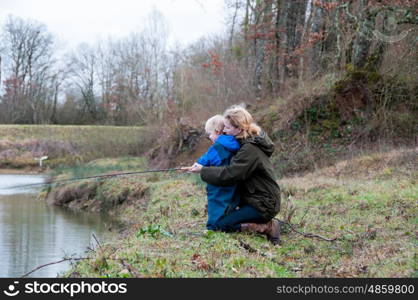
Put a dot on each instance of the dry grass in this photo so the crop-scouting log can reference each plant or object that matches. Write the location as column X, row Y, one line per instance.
column 376, row 165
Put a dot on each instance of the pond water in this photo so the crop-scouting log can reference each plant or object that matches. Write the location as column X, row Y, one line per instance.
column 33, row 233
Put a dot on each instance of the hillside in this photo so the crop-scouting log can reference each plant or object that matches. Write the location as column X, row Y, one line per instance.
column 338, row 117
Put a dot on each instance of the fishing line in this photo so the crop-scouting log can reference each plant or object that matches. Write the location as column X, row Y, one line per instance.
column 93, row 177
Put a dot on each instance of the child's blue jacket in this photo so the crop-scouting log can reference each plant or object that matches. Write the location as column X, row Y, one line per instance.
column 221, row 199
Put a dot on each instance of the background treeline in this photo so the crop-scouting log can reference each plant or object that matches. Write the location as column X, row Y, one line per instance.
column 270, row 49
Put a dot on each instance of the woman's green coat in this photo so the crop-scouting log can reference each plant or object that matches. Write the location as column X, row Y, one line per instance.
column 252, row 171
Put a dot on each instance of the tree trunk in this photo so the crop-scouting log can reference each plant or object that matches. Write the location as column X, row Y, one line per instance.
column 339, row 50
column 283, row 13
column 275, row 67
column 317, row 27
column 305, row 33
column 363, row 39
column 294, row 26
column 53, row 119
column 258, row 47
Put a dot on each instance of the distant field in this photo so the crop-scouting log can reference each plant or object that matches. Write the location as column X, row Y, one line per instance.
column 21, row 144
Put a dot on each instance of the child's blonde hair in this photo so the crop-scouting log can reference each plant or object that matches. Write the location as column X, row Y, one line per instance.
column 240, row 118
column 215, row 124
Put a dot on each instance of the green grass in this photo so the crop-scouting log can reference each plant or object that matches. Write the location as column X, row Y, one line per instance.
column 373, row 218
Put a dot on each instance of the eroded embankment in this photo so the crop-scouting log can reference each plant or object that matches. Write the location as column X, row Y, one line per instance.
column 110, row 196
column 106, row 194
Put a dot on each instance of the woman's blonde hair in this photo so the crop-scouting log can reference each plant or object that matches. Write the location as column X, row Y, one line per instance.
column 240, row 118
column 215, row 123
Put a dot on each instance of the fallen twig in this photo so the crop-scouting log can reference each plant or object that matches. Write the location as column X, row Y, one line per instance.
column 131, row 269
column 303, row 217
column 97, row 241
column 310, row 235
column 53, row 263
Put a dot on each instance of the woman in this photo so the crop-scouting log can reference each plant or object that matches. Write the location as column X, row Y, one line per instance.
column 253, row 173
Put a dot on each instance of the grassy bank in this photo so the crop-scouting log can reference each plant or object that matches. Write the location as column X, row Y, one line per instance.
column 68, row 145
column 368, row 204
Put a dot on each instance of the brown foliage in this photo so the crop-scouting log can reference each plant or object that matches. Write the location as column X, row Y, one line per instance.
column 183, row 139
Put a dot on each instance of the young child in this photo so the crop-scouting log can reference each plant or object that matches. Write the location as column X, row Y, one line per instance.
column 221, row 199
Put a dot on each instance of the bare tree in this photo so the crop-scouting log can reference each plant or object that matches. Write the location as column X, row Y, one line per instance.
column 82, row 67
column 29, row 59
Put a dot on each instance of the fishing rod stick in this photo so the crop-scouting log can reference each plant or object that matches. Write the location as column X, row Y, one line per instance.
column 96, row 176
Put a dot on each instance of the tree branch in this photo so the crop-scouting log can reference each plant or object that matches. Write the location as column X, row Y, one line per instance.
column 53, row 263
column 310, row 235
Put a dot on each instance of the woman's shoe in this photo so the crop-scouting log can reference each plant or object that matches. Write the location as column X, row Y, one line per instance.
column 271, row 229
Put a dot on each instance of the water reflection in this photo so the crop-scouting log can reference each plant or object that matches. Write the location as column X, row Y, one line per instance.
column 7, row 182
column 33, row 233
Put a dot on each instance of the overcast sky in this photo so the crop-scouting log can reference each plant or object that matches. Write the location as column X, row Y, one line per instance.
column 76, row 21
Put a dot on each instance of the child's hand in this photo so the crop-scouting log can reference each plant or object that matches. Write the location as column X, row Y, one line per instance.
column 191, row 169
column 196, row 168
column 185, row 168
